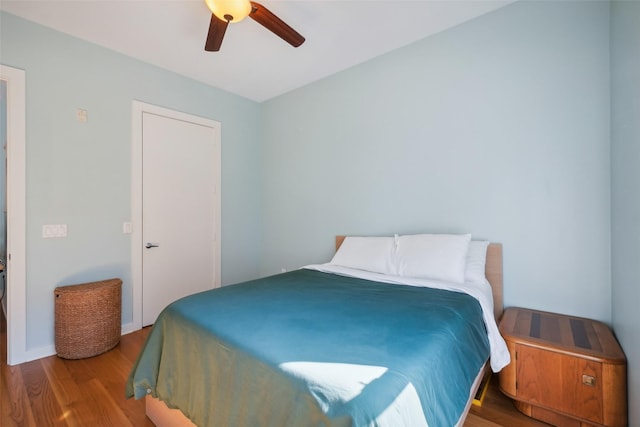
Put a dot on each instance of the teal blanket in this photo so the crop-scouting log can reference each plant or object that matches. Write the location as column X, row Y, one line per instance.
column 308, row 348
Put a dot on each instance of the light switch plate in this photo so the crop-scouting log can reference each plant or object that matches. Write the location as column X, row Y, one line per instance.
column 81, row 115
column 54, row 230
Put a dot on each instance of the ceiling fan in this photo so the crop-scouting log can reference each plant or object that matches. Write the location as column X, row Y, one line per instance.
column 225, row 11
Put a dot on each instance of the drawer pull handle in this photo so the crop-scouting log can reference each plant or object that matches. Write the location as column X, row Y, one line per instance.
column 589, row 380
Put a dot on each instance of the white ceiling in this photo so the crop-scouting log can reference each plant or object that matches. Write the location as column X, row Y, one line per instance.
column 252, row 62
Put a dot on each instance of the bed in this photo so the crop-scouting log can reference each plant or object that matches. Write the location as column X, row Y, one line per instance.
column 331, row 345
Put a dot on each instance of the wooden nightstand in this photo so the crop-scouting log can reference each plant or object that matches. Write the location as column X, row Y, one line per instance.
column 566, row 371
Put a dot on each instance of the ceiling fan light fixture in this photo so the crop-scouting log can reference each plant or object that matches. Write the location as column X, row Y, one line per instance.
column 229, row 10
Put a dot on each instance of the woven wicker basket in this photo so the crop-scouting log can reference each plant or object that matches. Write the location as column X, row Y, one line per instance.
column 88, row 318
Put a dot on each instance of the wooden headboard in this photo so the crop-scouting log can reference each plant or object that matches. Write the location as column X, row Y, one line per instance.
column 493, row 271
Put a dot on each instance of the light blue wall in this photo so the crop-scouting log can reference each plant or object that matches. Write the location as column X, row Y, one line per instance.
column 498, row 127
column 625, row 177
column 80, row 174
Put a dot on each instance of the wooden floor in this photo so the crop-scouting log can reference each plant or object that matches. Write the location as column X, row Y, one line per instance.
column 90, row 392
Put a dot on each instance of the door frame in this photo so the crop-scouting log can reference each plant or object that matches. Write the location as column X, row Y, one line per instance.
column 137, row 243
column 16, row 285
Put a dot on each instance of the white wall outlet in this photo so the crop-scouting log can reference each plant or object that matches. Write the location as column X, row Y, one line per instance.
column 54, row 230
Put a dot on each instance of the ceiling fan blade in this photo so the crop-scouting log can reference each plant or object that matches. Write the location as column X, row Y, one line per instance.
column 217, row 28
column 271, row 22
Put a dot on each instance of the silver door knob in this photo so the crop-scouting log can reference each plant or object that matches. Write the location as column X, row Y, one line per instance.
column 150, row 245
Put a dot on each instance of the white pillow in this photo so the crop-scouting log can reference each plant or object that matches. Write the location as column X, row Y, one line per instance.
column 433, row 256
column 367, row 253
column 476, row 262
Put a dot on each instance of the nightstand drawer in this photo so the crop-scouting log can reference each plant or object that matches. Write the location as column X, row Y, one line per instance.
column 564, row 383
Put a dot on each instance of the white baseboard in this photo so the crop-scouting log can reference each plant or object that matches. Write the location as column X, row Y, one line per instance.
column 50, row 350
column 127, row 328
column 39, row 353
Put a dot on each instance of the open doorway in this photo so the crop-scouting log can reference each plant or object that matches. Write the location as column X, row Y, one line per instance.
column 3, row 192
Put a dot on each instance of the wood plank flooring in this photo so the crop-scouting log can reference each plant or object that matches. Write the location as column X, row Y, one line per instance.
column 90, row 392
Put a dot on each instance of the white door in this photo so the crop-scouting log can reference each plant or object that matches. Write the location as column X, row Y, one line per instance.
column 180, row 208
